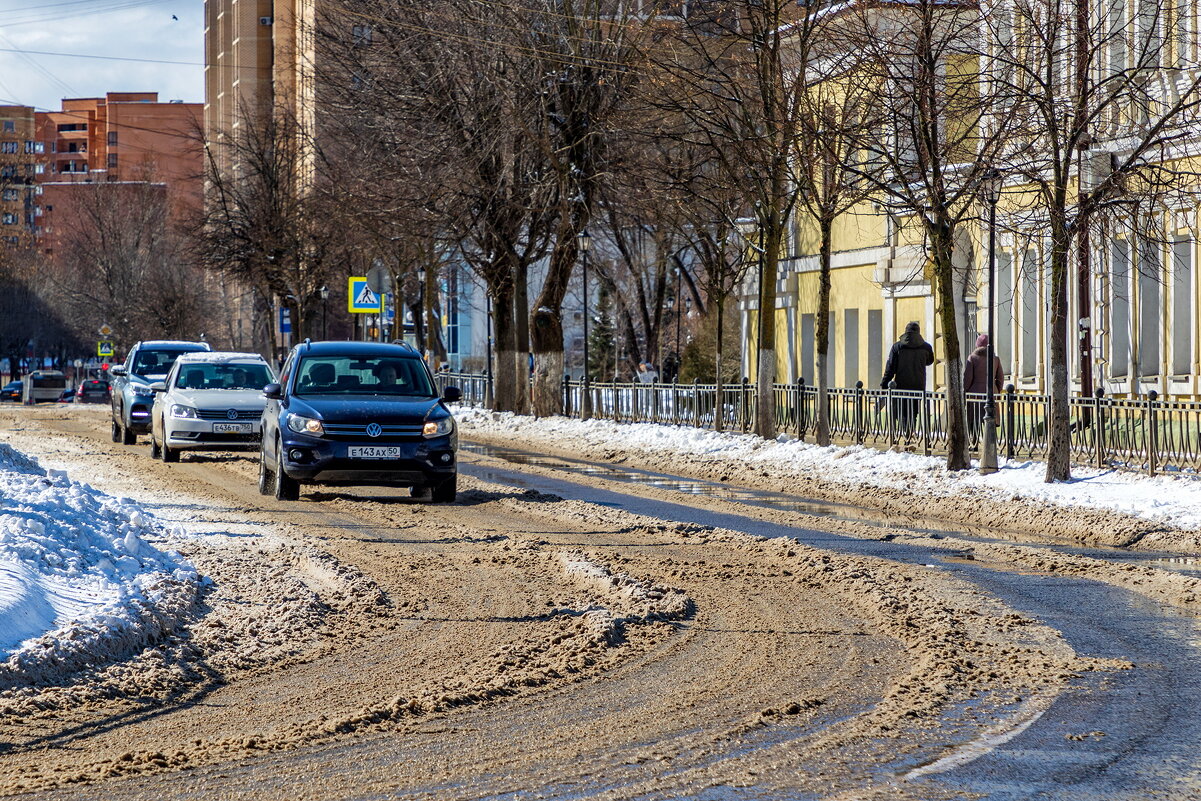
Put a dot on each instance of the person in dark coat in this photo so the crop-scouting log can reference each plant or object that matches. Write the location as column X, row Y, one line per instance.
column 975, row 378
column 906, row 370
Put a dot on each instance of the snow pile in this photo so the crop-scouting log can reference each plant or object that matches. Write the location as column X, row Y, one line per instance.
column 1173, row 500
column 79, row 582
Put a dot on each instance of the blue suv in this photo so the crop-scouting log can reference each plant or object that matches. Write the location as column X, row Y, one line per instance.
column 357, row 413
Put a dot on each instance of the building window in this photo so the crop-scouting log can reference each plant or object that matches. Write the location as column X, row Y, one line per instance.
column 1119, row 310
column 1003, row 315
column 361, row 34
column 1182, row 305
column 9, row 218
column 10, row 195
column 8, row 171
column 112, row 138
column 1029, row 321
column 850, row 334
column 808, row 365
column 1149, row 307
column 8, row 147
column 875, row 346
column 10, row 126
column 112, row 161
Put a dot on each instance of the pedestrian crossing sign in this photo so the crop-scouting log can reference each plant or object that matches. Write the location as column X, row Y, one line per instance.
column 360, row 298
column 104, row 349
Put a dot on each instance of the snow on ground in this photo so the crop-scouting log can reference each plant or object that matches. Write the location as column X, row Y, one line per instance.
column 80, row 581
column 1173, row 500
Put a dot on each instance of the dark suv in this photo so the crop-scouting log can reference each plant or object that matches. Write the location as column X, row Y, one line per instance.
column 357, row 413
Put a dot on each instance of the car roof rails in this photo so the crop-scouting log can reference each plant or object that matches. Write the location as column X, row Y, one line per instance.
column 404, row 344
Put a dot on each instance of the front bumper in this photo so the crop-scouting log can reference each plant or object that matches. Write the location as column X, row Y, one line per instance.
column 323, row 461
column 137, row 413
column 183, row 433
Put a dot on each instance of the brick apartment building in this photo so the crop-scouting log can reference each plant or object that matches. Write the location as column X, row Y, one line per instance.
column 22, row 163
column 123, row 137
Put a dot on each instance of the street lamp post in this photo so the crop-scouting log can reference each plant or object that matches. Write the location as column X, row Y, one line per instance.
column 988, row 447
column 324, row 310
column 675, row 379
column 584, row 240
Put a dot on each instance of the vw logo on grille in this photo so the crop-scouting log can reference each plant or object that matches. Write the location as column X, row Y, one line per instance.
column 232, row 414
column 374, row 429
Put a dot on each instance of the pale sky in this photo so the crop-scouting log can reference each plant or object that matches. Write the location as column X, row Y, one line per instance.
column 117, row 29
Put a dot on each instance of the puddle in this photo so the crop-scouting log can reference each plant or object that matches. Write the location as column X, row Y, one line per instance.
column 821, row 509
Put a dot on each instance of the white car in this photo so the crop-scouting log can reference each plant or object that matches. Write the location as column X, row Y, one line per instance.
column 209, row 401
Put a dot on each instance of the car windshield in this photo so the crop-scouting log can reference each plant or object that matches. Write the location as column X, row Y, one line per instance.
column 156, row 361
column 351, row 375
column 225, row 375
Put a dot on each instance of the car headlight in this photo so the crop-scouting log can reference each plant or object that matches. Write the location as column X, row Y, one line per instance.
column 305, row 425
column 184, row 412
column 438, row 428
column 143, row 392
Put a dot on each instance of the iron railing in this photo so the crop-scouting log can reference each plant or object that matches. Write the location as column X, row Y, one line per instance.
column 1143, row 434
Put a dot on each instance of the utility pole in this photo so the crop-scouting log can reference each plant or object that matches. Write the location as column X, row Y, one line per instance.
column 1083, row 255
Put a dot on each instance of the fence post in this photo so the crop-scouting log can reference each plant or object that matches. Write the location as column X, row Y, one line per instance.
column 1152, row 434
column 926, row 422
column 859, row 412
column 675, row 401
column 1099, row 434
column 744, row 404
column 1010, row 409
column 799, row 409
column 567, row 395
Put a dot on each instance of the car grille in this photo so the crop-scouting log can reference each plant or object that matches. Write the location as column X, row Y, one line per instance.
column 223, row 414
column 358, row 431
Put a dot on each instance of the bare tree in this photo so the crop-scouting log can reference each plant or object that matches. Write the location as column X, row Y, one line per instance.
column 732, row 74
column 929, row 144
column 263, row 223
column 1106, row 101
column 117, row 261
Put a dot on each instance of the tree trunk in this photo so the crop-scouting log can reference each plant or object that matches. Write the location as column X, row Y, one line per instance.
column 547, row 341
column 521, row 337
column 943, row 246
column 718, row 406
column 1059, row 444
column 765, row 374
column 822, row 333
column 505, row 379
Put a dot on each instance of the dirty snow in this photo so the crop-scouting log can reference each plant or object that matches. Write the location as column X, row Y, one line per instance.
column 1173, row 500
column 80, row 580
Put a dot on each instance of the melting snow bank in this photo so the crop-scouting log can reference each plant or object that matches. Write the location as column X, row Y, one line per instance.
column 79, row 582
column 1170, row 500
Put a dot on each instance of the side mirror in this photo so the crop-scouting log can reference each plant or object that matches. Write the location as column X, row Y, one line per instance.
column 273, row 392
column 452, row 394
column 117, row 371
column 158, row 386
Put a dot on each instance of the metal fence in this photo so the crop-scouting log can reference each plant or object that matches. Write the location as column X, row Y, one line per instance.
column 1143, row 434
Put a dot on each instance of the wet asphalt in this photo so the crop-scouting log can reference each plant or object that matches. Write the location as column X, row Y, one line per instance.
column 1133, row 734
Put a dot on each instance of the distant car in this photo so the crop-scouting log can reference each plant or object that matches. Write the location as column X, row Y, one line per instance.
column 92, row 390
column 11, row 391
column 67, row 396
column 209, row 401
column 131, row 395
column 358, row 413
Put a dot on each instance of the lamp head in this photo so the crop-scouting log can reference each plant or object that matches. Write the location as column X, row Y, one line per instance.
column 584, row 240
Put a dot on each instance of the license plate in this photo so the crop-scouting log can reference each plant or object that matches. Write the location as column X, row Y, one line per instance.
column 233, row 428
column 372, row 452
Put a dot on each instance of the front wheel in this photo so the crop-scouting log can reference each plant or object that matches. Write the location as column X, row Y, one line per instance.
column 155, row 451
column 128, row 437
column 167, row 454
column 116, row 432
column 446, row 491
column 286, row 487
column 266, row 477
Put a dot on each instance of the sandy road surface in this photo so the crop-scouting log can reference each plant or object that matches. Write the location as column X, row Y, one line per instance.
column 363, row 645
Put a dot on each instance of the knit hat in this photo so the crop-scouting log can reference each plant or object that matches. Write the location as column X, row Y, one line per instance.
column 982, row 341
